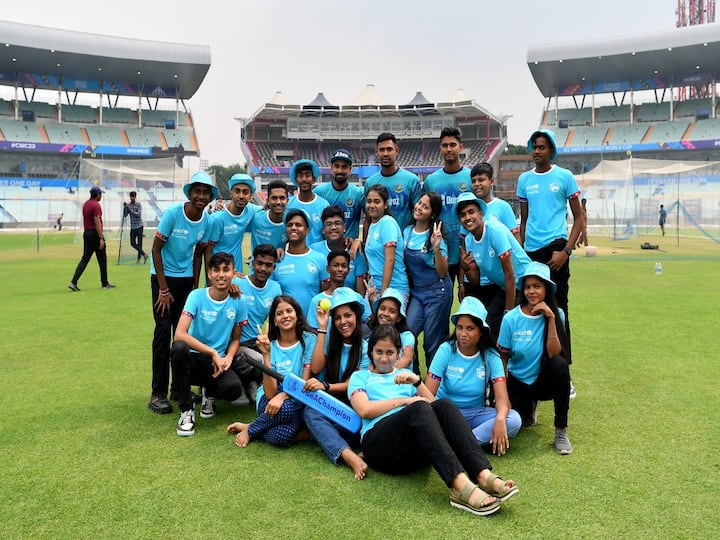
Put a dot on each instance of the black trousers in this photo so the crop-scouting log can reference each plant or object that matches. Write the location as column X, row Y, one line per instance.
column 190, row 367
column 180, row 288
column 553, row 383
column 425, row 434
column 136, row 239
column 91, row 244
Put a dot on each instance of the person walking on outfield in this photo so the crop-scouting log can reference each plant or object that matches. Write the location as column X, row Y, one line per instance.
column 663, row 218
column 177, row 253
column 93, row 240
column 134, row 210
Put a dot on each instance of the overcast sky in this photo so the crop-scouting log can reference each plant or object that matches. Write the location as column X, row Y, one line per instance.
column 310, row 46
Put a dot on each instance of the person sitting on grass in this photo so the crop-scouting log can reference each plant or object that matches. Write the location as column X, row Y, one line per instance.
column 532, row 344
column 287, row 348
column 339, row 352
column 390, row 309
column 462, row 370
column 404, row 428
column 206, row 340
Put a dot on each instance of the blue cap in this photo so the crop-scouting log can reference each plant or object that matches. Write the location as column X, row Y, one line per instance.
column 200, row 177
column 241, row 178
column 395, row 295
column 473, row 307
column 313, row 166
column 537, row 269
column 95, row 190
column 341, row 154
column 345, row 295
column 466, row 197
column 550, row 134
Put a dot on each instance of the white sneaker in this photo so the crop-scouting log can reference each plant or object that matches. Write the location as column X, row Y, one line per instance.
column 573, row 394
column 186, row 424
column 207, row 409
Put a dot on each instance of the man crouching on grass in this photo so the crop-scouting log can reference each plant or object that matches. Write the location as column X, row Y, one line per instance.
column 206, row 340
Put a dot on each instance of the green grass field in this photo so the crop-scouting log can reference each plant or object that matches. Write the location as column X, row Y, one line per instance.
column 83, row 457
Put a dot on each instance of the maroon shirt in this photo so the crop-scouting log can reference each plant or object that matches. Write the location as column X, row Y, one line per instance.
column 91, row 208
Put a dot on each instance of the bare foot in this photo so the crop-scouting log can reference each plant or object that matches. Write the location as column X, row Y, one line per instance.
column 243, row 438
column 355, row 462
column 303, row 435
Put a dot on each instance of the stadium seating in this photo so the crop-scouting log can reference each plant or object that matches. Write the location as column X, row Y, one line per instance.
column 105, row 136
column 81, row 114
column 690, row 108
column 612, row 114
column 177, row 137
column 41, row 109
column 574, row 117
column 589, row 136
column 667, row 131
column 158, row 118
column 64, row 134
column 628, row 134
column 142, row 137
column 7, row 108
column 704, row 129
column 20, row 131
column 653, row 112
column 119, row 116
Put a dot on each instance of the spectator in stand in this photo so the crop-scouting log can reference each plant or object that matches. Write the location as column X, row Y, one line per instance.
column 402, row 186
column 177, row 255
column 304, row 173
column 449, row 182
column 134, row 210
column 340, row 192
column 93, row 241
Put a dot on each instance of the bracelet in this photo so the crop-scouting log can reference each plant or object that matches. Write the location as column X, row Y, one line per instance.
column 322, row 331
column 418, row 383
column 326, row 385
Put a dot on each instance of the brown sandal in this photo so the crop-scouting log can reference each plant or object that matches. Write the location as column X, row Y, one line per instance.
column 461, row 500
column 505, row 491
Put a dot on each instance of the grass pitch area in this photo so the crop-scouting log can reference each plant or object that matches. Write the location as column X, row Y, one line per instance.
column 82, row 456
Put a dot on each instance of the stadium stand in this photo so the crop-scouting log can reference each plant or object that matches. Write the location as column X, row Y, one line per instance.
column 627, row 133
column 105, row 135
column 81, row 114
column 13, row 130
column 119, row 115
column 65, row 134
column 692, row 107
column 589, row 136
column 708, row 128
column 143, row 137
column 613, row 114
column 653, row 112
column 667, row 131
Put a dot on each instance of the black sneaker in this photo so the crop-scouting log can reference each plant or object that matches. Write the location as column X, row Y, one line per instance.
column 159, row 405
column 186, row 424
column 73, row 287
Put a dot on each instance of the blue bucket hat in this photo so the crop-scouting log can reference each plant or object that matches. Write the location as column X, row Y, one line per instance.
column 241, row 178
column 345, row 295
column 550, row 134
column 200, row 177
column 467, row 197
column 341, row 154
column 313, row 166
column 473, row 307
column 539, row 270
column 395, row 295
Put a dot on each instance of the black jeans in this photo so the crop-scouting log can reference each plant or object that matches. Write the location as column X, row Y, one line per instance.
column 180, row 288
column 91, row 244
column 553, row 383
column 561, row 278
column 425, row 434
column 190, row 367
column 136, row 236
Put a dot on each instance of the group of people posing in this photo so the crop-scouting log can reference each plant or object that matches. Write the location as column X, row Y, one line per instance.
column 344, row 311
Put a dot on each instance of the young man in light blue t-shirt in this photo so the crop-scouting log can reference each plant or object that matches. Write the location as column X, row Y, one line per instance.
column 304, row 173
column 341, row 193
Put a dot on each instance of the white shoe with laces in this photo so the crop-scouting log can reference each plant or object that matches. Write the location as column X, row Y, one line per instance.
column 186, row 424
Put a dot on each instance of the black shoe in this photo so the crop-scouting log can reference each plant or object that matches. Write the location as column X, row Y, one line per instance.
column 159, row 405
column 73, row 287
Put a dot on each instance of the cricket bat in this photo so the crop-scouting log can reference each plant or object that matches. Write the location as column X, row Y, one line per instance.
column 326, row 404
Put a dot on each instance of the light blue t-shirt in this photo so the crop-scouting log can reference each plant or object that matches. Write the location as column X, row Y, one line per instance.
column 264, row 231
column 314, row 210
column 258, row 301
column 496, row 241
column 449, row 187
column 404, row 190
column 180, row 235
column 384, row 233
column 291, row 359
column 311, row 314
column 522, row 337
column 212, row 320
column 358, row 265
column 547, row 196
column 363, row 361
column 228, row 230
column 351, row 201
column 502, row 211
column 463, row 378
column 301, row 276
column 379, row 387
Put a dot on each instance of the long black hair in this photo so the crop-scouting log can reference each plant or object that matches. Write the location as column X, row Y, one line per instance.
column 335, row 347
column 401, row 325
column 486, row 340
column 551, row 302
column 301, row 326
column 436, row 206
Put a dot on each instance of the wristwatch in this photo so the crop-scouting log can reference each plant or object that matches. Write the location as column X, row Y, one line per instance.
column 568, row 250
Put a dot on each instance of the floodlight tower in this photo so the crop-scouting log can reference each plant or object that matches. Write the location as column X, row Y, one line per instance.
column 690, row 13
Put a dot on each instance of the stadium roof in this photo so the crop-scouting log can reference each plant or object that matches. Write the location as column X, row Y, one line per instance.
column 41, row 57
column 371, row 104
column 677, row 57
